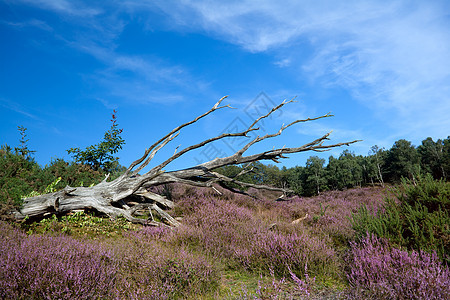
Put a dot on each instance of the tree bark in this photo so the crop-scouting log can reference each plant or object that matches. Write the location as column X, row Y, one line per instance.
column 118, row 197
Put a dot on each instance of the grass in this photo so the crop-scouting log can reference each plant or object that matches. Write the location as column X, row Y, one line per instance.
column 81, row 224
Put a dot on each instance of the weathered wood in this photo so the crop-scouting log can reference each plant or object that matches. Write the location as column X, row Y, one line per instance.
column 297, row 221
column 111, row 197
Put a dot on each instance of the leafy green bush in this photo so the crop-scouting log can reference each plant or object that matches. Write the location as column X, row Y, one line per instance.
column 100, row 156
column 18, row 176
column 79, row 223
column 22, row 177
column 418, row 218
column 72, row 174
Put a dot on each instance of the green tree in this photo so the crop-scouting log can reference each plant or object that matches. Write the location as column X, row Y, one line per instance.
column 272, row 175
column 71, row 173
column 432, row 157
column 296, row 178
column 101, row 156
column 23, row 148
column 258, row 175
column 369, row 169
column 284, row 177
column 403, row 161
column 351, row 168
column 446, row 157
column 315, row 175
column 377, row 157
column 345, row 172
column 333, row 170
column 358, row 164
column 18, row 176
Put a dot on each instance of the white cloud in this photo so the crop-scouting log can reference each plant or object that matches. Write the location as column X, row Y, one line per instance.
column 256, row 26
column 393, row 56
column 73, row 8
column 29, row 23
column 140, row 79
column 107, row 104
column 16, row 107
column 133, row 78
column 285, row 62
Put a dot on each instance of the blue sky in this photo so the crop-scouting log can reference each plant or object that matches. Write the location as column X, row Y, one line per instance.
column 381, row 67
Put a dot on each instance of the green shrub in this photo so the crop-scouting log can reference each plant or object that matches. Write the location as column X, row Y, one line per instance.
column 72, row 174
column 18, row 176
column 101, row 156
column 417, row 219
column 79, row 223
column 22, row 177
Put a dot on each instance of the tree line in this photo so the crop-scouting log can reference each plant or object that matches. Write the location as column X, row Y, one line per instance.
column 379, row 167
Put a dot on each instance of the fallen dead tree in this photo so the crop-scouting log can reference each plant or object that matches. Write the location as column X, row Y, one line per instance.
column 131, row 192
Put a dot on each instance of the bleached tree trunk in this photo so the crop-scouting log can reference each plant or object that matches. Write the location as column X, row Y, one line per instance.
column 115, row 198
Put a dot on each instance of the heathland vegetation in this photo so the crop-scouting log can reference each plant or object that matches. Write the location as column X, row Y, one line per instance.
column 363, row 227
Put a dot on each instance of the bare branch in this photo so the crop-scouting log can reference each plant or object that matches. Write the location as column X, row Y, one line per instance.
column 271, row 111
column 199, row 145
column 224, row 135
column 157, row 198
column 224, row 178
column 165, row 142
column 244, row 171
column 166, row 216
column 234, row 191
column 283, row 127
column 106, row 177
column 138, row 161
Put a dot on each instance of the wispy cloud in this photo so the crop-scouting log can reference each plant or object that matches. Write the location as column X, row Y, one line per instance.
column 71, row 8
column 397, row 63
column 107, row 104
column 146, row 79
column 285, row 62
column 29, row 23
column 256, row 26
column 16, row 107
column 393, row 56
column 125, row 77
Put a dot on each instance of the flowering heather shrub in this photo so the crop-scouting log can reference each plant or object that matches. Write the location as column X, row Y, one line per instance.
column 45, row 267
column 162, row 263
column 281, row 251
column 330, row 212
column 235, row 230
column 226, row 230
column 149, row 233
column 154, row 271
column 379, row 271
column 214, row 225
column 303, row 287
